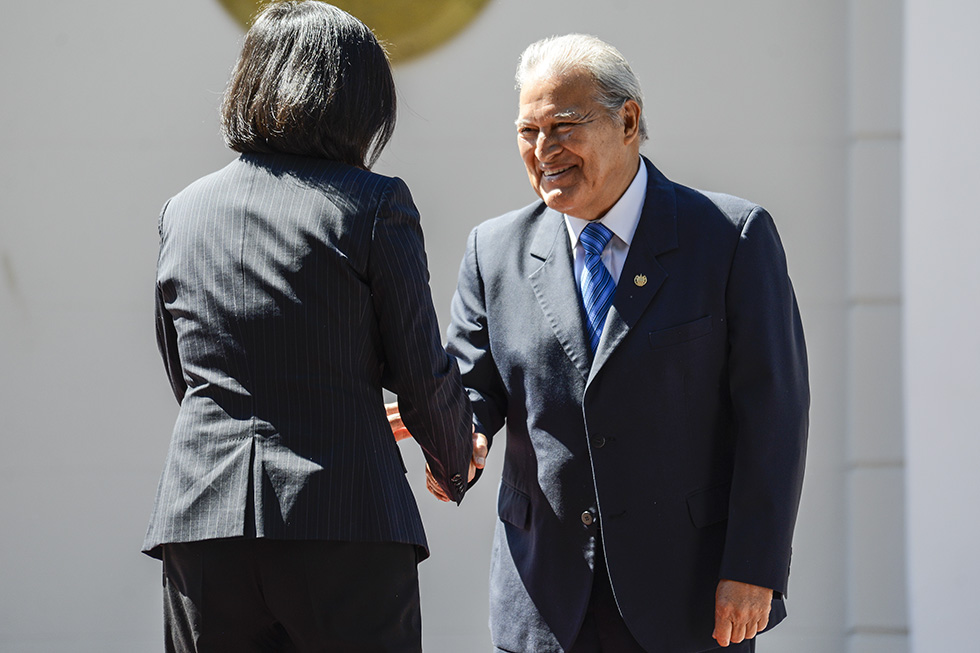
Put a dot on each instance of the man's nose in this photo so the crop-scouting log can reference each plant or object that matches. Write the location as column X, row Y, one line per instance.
column 546, row 146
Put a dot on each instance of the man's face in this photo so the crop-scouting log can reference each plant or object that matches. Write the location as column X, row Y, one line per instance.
column 579, row 159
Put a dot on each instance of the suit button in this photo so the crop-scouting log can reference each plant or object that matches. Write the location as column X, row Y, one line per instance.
column 587, row 518
column 598, row 442
column 457, row 480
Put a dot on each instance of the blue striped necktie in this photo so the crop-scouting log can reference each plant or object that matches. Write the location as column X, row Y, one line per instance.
column 598, row 286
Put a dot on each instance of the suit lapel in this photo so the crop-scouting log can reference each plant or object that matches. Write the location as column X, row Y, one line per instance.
column 556, row 290
column 642, row 274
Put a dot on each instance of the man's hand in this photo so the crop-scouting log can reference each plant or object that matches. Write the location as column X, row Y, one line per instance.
column 741, row 611
column 398, row 428
column 477, row 461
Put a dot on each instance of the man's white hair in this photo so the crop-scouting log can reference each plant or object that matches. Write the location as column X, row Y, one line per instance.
column 556, row 56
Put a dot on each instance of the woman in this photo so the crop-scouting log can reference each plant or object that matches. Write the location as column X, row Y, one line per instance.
column 292, row 286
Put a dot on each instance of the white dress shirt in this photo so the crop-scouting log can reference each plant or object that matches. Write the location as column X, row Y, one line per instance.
column 621, row 220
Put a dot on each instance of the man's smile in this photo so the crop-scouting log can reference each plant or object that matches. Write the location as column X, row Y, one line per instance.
column 552, row 174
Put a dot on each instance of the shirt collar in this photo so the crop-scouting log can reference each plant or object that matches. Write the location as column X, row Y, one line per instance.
column 624, row 215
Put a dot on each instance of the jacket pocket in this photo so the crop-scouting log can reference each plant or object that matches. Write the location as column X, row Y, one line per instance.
column 709, row 506
column 513, row 506
column 681, row 333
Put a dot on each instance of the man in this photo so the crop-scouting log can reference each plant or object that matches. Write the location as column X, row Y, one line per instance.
column 642, row 344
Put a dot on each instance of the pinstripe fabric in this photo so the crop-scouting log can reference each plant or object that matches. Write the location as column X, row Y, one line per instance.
column 289, row 291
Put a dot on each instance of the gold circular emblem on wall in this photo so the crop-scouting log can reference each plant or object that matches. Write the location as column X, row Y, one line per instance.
column 407, row 27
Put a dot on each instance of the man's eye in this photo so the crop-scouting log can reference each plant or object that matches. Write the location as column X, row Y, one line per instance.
column 527, row 131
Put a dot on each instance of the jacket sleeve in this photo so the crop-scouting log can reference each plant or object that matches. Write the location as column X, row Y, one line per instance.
column 770, row 397
column 469, row 342
column 167, row 336
column 417, row 368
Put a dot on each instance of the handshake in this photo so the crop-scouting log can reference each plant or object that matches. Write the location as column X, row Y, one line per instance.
column 477, row 461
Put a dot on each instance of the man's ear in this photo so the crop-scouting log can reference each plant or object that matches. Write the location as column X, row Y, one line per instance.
column 630, row 113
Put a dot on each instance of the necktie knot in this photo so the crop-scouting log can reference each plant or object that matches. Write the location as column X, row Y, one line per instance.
column 595, row 237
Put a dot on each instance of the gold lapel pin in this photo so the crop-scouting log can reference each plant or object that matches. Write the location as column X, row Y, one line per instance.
column 640, row 280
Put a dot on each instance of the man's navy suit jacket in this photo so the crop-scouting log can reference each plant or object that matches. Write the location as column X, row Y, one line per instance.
column 289, row 291
column 681, row 442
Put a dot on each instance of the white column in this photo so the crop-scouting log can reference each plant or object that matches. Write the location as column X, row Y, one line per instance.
column 941, row 266
column 876, row 581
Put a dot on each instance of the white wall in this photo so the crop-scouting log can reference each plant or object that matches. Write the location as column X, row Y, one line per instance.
column 108, row 109
column 941, row 271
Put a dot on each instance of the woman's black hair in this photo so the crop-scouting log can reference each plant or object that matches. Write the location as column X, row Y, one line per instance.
column 312, row 80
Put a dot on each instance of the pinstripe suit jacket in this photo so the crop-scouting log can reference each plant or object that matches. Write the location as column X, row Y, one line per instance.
column 289, row 292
